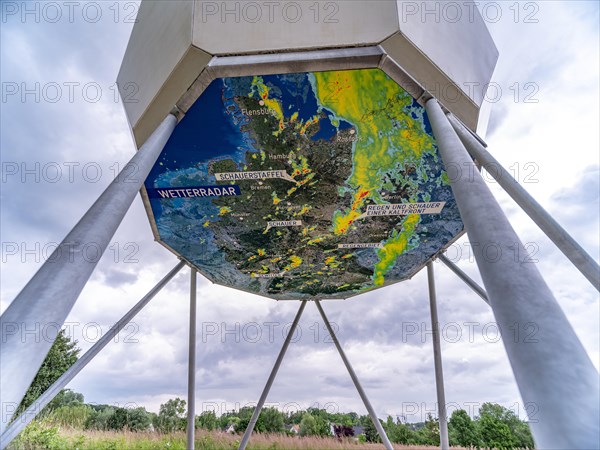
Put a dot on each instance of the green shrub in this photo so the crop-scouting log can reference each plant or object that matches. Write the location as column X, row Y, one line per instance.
column 75, row 416
column 37, row 435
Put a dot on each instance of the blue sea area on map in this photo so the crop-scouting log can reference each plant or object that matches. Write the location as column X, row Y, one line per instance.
column 205, row 132
column 294, row 93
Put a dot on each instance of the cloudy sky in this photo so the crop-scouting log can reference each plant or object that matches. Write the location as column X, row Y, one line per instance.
column 544, row 127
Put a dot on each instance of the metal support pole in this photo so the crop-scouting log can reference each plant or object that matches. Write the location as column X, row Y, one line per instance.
column 557, row 234
column 551, row 367
column 466, row 278
column 51, row 293
column 191, row 419
column 265, row 392
column 361, row 392
column 29, row 414
column 437, row 360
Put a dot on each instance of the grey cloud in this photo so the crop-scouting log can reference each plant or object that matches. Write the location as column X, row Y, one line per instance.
column 119, row 277
column 497, row 117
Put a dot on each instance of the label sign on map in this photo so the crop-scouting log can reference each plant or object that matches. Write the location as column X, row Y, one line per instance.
column 283, row 223
column 365, row 245
column 267, row 275
column 403, row 209
column 194, row 191
column 257, row 175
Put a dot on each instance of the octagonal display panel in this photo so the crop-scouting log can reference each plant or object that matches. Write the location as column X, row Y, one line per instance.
column 305, row 185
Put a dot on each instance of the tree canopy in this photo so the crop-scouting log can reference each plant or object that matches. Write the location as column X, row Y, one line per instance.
column 62, row 354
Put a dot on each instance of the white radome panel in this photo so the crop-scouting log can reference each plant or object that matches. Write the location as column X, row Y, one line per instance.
column 446, row 50
column 247, row 27
column 159, row 47
column 454, row 36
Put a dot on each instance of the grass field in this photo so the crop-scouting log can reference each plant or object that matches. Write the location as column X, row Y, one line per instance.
column 51, row 438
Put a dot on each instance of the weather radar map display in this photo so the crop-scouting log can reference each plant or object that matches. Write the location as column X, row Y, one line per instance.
column 306, row 185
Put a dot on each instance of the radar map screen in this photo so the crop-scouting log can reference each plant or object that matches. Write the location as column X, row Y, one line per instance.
column 306, row 185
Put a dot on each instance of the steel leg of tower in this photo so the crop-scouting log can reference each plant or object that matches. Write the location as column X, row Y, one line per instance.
column 51, row 293
column 29, row 414
column 191, row 413
column 437, row 360
column 463, row 276
column 552, row 369
column 361, row 392
column 265, row 392
column 557, row 234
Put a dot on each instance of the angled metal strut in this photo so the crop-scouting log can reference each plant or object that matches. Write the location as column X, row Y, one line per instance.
column 361, row 392
column 29, row 414
column 551, row 228
column 265, row 392
column 191, row 412
column 552, row 369
column 51, row 293
column 437, row 360
column 466, row 278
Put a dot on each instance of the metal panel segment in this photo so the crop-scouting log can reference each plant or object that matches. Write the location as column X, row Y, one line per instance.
column 431, row 78
column 396, row 73
column 452, row 35
column 159, row 64
column 234, row 27
column 182, row 76
column 280, row 63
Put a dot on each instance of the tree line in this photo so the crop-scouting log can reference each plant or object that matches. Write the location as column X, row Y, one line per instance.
column 495, row 426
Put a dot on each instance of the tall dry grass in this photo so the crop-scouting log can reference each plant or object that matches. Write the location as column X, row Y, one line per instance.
column 213, row 440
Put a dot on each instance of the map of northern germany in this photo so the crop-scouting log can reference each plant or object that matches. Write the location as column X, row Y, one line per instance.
column 307, row 185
